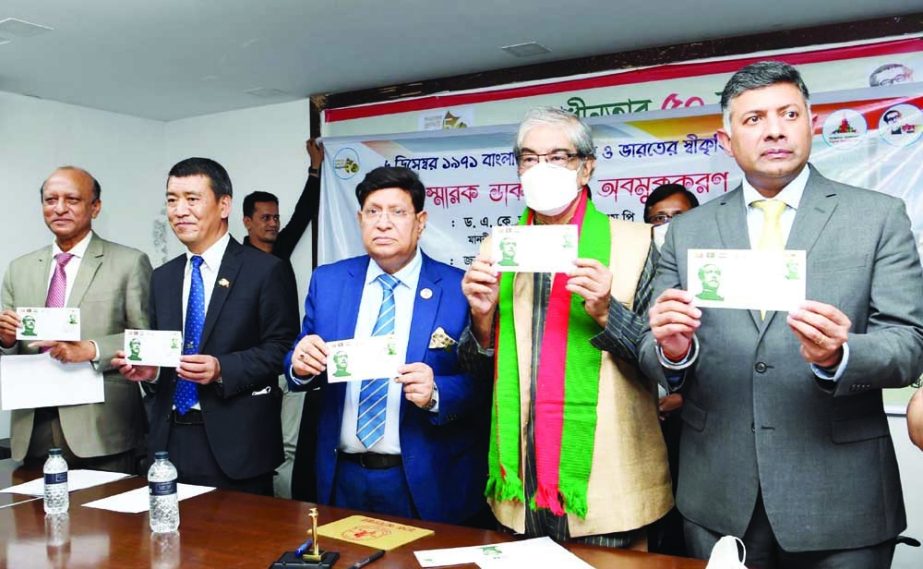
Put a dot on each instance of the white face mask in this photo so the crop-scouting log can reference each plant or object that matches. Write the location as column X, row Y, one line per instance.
column 549, row 189
column 725, row 555
column 660, row 234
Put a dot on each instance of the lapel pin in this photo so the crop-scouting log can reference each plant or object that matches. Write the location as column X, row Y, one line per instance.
column 426, row 294
column 224, row 282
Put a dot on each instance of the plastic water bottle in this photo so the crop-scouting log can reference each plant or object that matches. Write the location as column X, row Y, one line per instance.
column 56, row 498
column 161, row 483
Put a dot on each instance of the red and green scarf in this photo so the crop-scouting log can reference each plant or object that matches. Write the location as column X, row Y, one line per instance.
column 567, row 387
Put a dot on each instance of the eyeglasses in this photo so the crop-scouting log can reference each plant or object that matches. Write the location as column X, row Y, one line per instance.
column 396, row 215
column 661, row 218
column 557, row 158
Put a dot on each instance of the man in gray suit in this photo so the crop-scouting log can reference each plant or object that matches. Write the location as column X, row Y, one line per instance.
column 110, row 284
column 785, row 443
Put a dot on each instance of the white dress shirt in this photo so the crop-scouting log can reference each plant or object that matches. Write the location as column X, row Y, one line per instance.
column 404, row 294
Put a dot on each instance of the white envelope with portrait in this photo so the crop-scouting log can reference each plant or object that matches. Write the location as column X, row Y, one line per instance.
column 747, row 279
column 153, row 347
column 42, row 323
column 363, row 358
column 534, row 248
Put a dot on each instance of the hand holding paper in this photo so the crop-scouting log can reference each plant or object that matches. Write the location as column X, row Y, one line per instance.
column 9, row 326
column 310, row 356
column 674, row 321
column 822, row 330
column 68, row 352
column 418, row 383
column 592, row 281
column 130, row 371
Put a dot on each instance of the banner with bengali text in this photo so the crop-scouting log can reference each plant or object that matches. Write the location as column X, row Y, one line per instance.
column 866, row 137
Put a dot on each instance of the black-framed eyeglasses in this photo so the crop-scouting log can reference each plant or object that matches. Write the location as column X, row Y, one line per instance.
column 661, row 218
column 557, row 158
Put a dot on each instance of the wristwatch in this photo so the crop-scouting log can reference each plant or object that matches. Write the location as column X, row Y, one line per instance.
column 313, row 171
column 432, row 400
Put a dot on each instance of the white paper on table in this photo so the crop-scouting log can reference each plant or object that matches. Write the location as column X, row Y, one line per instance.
column 538, row 552
column 534, row 248
column 31, row 381
column 363, row 358
column 747, row 279
column 48, row 324
column 138, row 500
column 76, row 480
column 161, row 348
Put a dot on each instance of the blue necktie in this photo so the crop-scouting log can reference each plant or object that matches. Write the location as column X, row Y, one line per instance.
column 373, row 395
column 186, row 394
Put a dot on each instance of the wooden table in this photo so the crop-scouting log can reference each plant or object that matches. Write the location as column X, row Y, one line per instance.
column 224, row 529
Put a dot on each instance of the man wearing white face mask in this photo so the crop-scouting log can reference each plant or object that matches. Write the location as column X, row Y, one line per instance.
column 576, row 452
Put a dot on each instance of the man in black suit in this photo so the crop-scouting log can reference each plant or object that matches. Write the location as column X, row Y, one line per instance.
column 218, row 412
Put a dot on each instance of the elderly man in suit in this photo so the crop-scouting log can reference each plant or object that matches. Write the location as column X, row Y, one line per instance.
column 109, row 283
column 217, row 414
column 785, row 442
column 414, row 445
column 576, row 453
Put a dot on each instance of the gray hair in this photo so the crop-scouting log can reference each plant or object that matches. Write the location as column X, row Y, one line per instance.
column 579, row 133
column 757, row 76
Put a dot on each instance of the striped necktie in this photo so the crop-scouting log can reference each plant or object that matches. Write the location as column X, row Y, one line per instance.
column 373, row 395
column 186, row 394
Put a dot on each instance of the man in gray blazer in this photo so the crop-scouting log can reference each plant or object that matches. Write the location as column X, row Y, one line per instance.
column 785, row 443
column 110, row 284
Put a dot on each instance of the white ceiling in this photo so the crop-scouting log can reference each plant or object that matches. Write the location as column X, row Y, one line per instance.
column 169, row 59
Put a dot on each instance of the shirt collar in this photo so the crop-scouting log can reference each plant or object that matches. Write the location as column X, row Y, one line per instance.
column 212, row 256
column 790, row 194
column 78, row 250
column 409, row 275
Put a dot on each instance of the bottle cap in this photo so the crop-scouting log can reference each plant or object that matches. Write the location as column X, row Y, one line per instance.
column 54, row 452
column 161, row 455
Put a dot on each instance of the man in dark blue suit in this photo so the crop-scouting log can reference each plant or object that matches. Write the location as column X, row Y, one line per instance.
column 414, row 445
column 218, row 412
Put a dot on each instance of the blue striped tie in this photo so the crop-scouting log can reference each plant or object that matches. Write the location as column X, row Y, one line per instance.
column 373, row 395
column 186, row 394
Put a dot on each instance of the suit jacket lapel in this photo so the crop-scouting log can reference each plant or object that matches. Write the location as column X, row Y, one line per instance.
column 92, row 259
column 227, row 276
column 424, row 316
column 352, row 296
column 173, row 297
column 36, row 285
column 346, row 323
column 817, row 205
column 731, row 219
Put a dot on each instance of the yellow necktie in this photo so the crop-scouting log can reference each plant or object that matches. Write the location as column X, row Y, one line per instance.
column 771, row 237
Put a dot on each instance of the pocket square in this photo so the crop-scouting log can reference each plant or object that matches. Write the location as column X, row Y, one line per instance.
column 440, row 340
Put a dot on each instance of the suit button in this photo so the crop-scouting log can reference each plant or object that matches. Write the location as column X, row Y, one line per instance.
column 752, row 428
column 760, row 367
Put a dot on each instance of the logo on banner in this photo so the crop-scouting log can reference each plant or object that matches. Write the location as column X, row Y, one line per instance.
column 844, row 128
column 901, row 125
column 346, row 163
